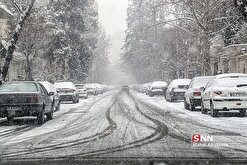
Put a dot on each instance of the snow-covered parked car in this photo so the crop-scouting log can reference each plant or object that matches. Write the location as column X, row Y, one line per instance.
column 176, row 89
column 225, row 92
column 82, row 90
column 144, row 88
column 92, row 88
column 192, row 97
column 25, row 98
column 99, row 88
column 67, row 91
column 56, row 97
column 157, row 88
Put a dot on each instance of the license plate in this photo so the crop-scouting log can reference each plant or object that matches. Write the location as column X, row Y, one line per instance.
column 13, row 108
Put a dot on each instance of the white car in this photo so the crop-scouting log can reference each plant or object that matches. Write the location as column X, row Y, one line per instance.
column 82, row 90
column 224, row 93
column 56, row 97
column 91, row 89
column 176, row 89
column 157, row 88
column 192, row 97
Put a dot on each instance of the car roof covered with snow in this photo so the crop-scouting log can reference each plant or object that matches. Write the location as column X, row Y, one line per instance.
column 228, row 75
column 92, row 85
column 159, row 84
column 177, row 82
column 64, row 85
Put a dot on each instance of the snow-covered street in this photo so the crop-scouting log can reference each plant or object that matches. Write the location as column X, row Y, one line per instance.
column 121, row 125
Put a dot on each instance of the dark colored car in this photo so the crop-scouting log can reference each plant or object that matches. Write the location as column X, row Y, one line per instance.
column 177, row 89
column 157, row 88
column 125, row 88
column 25, row 98
column 67, row 91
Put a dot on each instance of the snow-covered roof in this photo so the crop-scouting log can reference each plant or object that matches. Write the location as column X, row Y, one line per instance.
column 3, row 7
column 159, row 83
column 177, row 82
column 64, row 85
column 92, row 85
column 203, row 77
column 230, row 75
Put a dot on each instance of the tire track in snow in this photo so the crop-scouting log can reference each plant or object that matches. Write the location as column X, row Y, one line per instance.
column 183, row 137
column 107, row 131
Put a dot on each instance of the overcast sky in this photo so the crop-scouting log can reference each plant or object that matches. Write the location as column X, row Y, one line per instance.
column 112, row 16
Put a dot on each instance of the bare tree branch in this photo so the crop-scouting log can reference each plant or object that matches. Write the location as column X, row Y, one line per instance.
column 16, row 7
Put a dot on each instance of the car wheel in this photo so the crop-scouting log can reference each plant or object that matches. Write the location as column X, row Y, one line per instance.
column 192, row 107
column 10, row 118
column 186, row 106
column 214, row 112
column 58, row 107
column 41, row 117
column 50, row 114
column 204, row 111
column 242, row 113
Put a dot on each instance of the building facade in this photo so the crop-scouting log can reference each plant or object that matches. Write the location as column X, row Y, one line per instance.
column 232, row 59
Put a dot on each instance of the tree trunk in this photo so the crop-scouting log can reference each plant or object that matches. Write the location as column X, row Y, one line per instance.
column 63, row 69
column 205, row 41
column 14, row 39
column 28, row 71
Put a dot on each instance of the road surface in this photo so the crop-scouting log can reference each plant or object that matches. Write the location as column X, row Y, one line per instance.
column 122, row 127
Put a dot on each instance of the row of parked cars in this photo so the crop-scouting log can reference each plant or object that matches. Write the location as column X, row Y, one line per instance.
column 40, row 98
column 220, row 93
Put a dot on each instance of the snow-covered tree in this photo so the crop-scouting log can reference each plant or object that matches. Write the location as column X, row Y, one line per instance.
column 33, row 40
column 172, row 38
column 23, row 10
column 74, row 38
column 98, row 69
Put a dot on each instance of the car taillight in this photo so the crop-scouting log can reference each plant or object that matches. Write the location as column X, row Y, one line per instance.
column 197, row 93
column 72, row 90
column 32, row 99
column 218, row 92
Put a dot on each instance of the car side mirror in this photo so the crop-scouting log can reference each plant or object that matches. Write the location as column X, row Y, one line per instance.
column 202, row 88
column 51, row 93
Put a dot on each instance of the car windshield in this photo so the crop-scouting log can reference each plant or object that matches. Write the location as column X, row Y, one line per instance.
column 158, row 87
column 231, row 82
column 19, row 87
column 80, row 86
